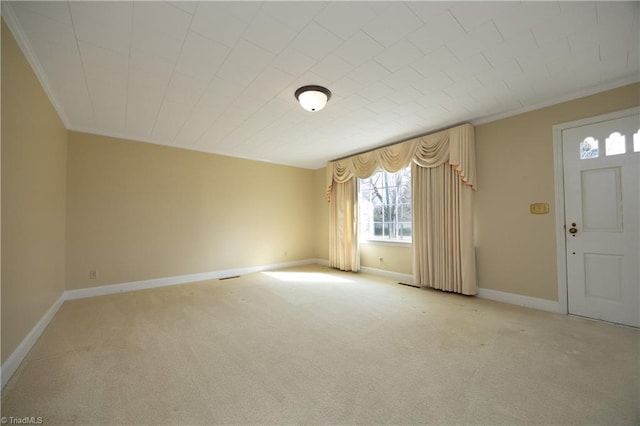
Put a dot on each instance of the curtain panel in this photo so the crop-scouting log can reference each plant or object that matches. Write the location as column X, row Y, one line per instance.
column 443, row 177
column 344, row 251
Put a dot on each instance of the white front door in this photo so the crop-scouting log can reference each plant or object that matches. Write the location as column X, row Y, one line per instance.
column 602, row 192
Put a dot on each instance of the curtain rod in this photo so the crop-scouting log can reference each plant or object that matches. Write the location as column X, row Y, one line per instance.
column 402, row 141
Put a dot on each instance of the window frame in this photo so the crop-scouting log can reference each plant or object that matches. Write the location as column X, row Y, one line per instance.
column 386, row 240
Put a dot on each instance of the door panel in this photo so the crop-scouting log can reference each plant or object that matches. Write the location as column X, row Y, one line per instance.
column 601, row 179
column 601, row 200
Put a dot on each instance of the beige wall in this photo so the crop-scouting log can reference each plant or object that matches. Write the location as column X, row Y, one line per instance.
column 34, row 149
column 321, row 210
column 516, row 251
column 138, row 211
column 395, row 258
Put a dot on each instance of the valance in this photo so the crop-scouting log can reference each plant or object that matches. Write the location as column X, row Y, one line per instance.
column 456, row 145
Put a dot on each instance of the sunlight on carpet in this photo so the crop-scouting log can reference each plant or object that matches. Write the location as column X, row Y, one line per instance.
column 309, row 277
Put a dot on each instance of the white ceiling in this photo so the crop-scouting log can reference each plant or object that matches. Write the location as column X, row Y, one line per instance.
column 220, row 76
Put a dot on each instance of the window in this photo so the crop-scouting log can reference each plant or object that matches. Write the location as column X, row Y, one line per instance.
column 385, row 206
column 589, row 148
column 615, row 144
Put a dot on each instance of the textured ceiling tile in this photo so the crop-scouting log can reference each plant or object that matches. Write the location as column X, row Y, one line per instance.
column 141, row 116
column 315, row 41
column 56, row 10
column 616, row 13
column 433, row 98
column 156, row 44
column 104, row 65
column 43, row 30
column 500, row 73
column 399, row 55
column 524, row 16
column 332, row 67
column 475, row 41
column 212, row 21
column 293, row 61
column 221, row 89
column 243, row 10
column 220, row 128
column 369, row 73
column 507, row 50
column 359, row 49
column 375, row 91
column 184, row 89
column 345, row 19
column 407, row 108
column 188, row 6
column 198, row 123
column 559, row 26
column 269, row 34
column 115, row 14
column 393, row 25
column 472, row 15
column 406, row 95
column 613, row 52
column 470, row 66
column 149, row 93
column 244, row 63
column 201, row 57
column 293, row 14
column 576, row 60
column 428, row 11
column 442, row 30
column 438, row 60
column 170, row 119
column 345, row 87
column 533, row 58
column 150, row 68
column 402, row 78
column 110, row 37
column 270, row 83
column 161, row 17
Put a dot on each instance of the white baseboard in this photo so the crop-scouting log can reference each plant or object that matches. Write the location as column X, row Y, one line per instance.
column 322, row 262
column 181, row 279
column 15, row 359
column 520, row 300
column 484, row 293
column 403, row 278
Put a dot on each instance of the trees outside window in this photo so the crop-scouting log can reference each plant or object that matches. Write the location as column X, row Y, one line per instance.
column 385, row 206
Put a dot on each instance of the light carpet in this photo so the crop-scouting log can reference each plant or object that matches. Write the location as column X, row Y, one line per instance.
column 312, row 345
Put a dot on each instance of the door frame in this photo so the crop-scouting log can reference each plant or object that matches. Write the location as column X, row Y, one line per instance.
column 561, row 242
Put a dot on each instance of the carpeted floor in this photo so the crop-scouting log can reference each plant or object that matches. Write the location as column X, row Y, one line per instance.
column 315, row 346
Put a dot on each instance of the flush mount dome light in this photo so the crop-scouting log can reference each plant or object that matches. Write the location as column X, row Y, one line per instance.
column 313, row 98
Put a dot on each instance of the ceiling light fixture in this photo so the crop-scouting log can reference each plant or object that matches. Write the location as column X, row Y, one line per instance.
column 313, row 98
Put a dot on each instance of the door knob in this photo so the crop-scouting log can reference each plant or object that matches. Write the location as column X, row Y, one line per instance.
column 573, row 229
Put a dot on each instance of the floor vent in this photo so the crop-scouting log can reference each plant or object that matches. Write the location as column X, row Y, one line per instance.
column 410, row 285
column 229, row 278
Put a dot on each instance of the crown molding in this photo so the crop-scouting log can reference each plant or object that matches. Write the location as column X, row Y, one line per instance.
column 12, row 22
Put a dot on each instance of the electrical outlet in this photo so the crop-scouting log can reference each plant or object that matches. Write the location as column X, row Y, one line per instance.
column 284, row 253
column 93, row 275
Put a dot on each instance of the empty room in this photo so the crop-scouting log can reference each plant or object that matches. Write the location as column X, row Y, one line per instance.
column 305, row 212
